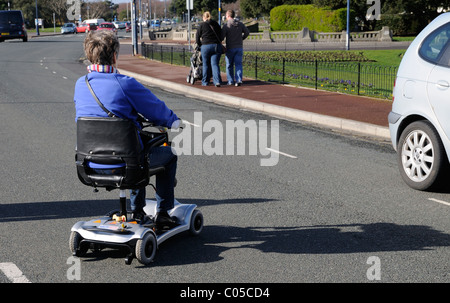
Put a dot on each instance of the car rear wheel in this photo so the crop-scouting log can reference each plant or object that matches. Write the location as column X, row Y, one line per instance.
column 421, row 156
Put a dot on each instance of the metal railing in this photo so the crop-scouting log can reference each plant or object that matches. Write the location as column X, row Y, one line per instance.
column 365, row 79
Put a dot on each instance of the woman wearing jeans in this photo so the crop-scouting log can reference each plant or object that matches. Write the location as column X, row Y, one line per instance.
column 126, row 97
column 209, row 38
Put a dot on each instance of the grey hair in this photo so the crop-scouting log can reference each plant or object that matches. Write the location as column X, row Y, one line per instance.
column 100, row 47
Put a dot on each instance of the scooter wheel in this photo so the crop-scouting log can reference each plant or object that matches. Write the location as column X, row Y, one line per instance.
column 196, row 225
column 74, row 244
column 146, row 248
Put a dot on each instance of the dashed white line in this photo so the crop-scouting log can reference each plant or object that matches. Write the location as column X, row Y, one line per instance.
column 269, row 149
column 13, row 273
column 439, row 201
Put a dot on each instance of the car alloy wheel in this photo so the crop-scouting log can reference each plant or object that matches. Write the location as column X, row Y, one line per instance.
column 421, row 155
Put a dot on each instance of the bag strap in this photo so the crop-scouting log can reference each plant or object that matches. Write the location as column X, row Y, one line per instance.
column 110, row 114
column 220, row 42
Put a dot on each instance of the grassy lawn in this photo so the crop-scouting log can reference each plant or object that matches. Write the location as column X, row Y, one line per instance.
column 45, row 30
column 385, row 57
column 368, row 72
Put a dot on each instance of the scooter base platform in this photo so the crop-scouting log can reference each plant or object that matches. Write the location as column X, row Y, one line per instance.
column 108, row 232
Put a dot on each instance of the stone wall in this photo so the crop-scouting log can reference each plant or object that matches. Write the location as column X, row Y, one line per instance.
column 305, row 35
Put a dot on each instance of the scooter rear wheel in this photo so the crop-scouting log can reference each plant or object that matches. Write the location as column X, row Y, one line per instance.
column 146, row 248
column 74, row 244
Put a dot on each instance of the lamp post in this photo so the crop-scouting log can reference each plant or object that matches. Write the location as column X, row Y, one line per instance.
column 220, row 10
column 37, row 20
column 347, row 40
column 189, row 7
column 134, row 28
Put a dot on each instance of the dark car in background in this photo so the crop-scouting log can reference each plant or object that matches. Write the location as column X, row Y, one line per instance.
column 12, row 26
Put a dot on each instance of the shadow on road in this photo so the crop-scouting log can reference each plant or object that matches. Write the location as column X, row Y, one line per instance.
column 216, row 239
column 321, row 239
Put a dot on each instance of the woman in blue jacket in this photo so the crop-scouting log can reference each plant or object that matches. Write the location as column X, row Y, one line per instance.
column 126, row 97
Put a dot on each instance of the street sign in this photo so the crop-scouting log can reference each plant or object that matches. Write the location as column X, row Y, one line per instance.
column 189, row 4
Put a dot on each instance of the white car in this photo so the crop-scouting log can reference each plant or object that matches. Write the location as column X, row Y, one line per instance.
column 419, row 122
column 119, row 24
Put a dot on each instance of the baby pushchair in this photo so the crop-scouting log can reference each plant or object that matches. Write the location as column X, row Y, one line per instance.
column 195, row 72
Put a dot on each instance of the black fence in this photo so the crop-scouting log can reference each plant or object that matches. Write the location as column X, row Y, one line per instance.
column 365, row 79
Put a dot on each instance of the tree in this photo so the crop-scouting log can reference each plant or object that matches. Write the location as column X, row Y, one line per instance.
column 101, row 9
column 200, row 6
column 409, row 17
column 406, row 16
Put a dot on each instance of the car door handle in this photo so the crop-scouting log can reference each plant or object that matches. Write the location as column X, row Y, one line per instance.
column 442, row 84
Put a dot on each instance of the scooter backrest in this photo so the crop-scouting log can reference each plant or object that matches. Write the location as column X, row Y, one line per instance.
column 110, row 141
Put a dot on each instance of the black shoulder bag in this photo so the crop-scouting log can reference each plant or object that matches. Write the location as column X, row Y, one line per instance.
column 224, row 49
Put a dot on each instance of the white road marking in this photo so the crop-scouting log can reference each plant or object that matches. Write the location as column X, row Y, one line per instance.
column 439, row 201
column 189, row 123
column 281, row 153
column 13, row 273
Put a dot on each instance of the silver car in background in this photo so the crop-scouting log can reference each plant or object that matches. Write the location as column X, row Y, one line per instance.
column 419, row 122
column 69, row 28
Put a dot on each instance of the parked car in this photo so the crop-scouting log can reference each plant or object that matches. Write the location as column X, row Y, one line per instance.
column 119, row 24
column 69, row 28
column 155, row 23
column 12, row 26
column 95, row 21
column 108, row 26
column 86, row 27
column 419, row 122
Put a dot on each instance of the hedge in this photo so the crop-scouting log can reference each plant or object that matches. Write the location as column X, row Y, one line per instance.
column 296, row 17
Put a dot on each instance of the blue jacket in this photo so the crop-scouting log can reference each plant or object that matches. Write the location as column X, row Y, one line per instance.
column 122, row 95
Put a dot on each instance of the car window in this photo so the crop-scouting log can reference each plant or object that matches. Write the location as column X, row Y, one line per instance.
column 433, row 46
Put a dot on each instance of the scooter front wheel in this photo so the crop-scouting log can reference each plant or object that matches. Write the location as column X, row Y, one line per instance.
column 146, row 248
column 196, row 225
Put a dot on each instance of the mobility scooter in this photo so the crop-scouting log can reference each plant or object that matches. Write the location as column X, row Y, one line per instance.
column 115, row 142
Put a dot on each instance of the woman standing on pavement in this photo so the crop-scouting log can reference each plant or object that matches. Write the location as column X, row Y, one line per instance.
column 209, row 39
